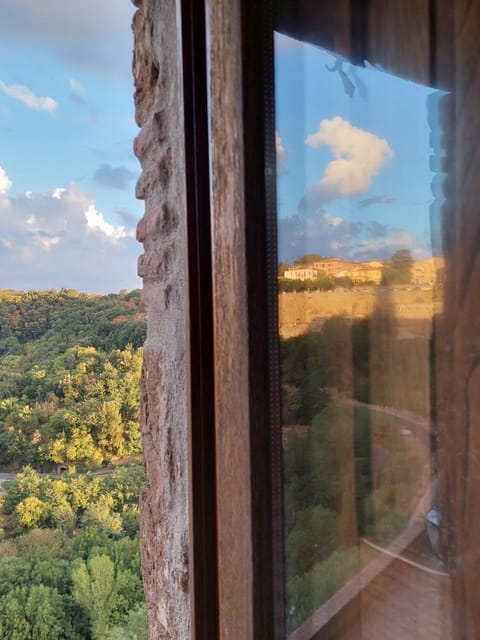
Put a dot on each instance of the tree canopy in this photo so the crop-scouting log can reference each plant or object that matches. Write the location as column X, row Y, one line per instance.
column 308, row 258
column 398, row 268
column 69, row 397
column 69, row 378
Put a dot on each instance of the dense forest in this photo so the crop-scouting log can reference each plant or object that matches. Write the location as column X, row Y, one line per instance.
column 69, row 560
column 69, row 371
column 69, row 434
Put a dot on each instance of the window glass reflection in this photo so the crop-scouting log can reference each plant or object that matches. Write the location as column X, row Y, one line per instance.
column 360, row 280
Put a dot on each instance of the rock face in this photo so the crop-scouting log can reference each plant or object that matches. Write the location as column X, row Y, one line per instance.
column 164, row 520
column 414, row 310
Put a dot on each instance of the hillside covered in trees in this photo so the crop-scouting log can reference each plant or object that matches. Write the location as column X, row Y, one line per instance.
column 69, row 372
column 69, row 560
column 69, row 397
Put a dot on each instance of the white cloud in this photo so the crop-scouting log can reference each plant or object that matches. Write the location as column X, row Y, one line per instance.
column 282, row 155
column 58, row 193
column 28, row 98
column 47, row 243
column 332, row 221
column 319, row 231
column 5, row 182
column 59, row 239
column 359, row 156
column 96, row 222
column 386, row 246
column 75, row 86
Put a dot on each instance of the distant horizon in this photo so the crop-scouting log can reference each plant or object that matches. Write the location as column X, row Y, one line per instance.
column 82, row 293
column 339, row 257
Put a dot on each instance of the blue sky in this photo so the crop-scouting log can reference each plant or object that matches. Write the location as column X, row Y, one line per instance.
column 354, row 156
column 67, row 171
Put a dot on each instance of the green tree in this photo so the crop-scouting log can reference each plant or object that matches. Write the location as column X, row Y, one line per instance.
column 45, row 612
column 308, row 258
column 63, row 516
column 135, row 628
column 100, row 514
column 13, row 622
column 94, row 589
column 129, row 592
column 398, row 269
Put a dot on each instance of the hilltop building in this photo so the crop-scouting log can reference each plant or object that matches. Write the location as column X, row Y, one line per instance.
column 363, row 272
column 428, row 271
column 424, row 272
column 332, row 267
column 301, row 273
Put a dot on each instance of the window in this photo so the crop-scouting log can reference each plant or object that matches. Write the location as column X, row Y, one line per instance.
column 339, row 434
column 357, row 154
column 376, row 526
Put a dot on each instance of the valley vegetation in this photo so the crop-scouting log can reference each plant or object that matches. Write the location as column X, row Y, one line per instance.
column 69, row 401
column 349, row 470
column 69, row 374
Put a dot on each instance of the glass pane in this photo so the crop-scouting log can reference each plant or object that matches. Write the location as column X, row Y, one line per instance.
column 361, row 288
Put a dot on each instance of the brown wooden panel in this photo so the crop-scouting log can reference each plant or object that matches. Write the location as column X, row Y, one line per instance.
column 261, row 241
column 394, row 34
column 442, row 39
column 459, row 353
column 230, row 322
column 203, row 545
column 320, row 22
column 399, row 37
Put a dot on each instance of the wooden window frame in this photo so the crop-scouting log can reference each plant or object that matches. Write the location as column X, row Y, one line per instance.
column 202, row 436
column 228, row 65
column 235, row 465
column 236, row 449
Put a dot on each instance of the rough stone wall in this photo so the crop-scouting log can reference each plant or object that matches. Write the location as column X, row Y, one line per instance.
column 164, row 526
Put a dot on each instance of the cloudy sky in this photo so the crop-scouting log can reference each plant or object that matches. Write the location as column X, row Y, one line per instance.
column 354, row 158
column 67, row 171
column 353, row 151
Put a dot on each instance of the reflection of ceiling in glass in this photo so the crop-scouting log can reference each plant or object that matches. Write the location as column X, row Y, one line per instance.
column 354, row 157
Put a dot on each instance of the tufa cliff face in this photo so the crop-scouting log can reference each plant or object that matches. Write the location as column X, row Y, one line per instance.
column 413, row 308
column 164, row 520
